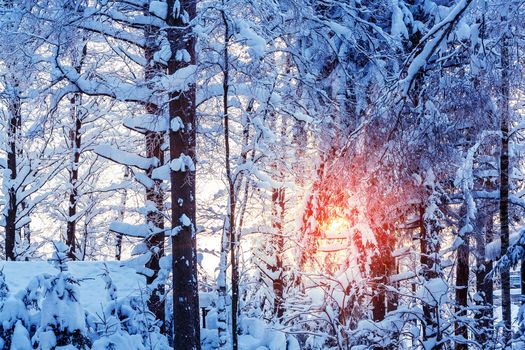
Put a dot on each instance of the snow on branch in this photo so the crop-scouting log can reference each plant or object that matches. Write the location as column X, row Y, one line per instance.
column 125, row 158
column 514, row 254
column 493, row 249
column 118, row 90
column 140, row 231
column 432, row 40
column 183, row 163
column 109, row 31
column 147, row 122
column 181, row 80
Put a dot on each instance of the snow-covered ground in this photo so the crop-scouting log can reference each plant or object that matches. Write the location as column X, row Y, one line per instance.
column 515, row 307
column 92, row 291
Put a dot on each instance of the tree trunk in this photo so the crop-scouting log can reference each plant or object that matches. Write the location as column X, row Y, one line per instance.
column 278, row 208
column 120, row 218
column 75, row 142
column 504, row 183
column 429, row 254
column 484, row 285
column 11, row 217
column 229, row 225
column 276, row 265
column 222, row 312
column 382, row 266
column 462, row 275
column 155, row 242
column 186, row 334
column 378, row 272
column 155, row 193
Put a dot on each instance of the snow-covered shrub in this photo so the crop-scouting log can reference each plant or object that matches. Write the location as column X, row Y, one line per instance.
column 62, row 318
column 14, row 319
column 14, row 322
column 47, row 314
column 126, row 321
column 4, row 288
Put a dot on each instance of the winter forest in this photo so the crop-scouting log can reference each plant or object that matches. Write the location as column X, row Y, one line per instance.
column 262, row 174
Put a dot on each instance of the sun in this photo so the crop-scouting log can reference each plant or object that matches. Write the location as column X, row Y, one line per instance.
column 335, row 227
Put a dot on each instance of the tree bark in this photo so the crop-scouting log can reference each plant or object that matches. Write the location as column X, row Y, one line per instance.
column 382, row 266
column 462, row 276
column 11, row 217
column 504, row 183
column 75, row 139
column 154, row 194
column 278, row 209
column 429, row 250
column 278, row 212
column 484, row 285
column 120, row 218
column 182, row 105
column 232, row 196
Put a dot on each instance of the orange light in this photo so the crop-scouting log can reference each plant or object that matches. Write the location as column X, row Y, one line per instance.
column 336, row 227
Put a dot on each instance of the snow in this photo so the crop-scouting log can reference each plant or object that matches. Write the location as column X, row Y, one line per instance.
column 161, row 173
column 398, row 28
column 255, row 334
column 141, row 230
column 185, row 220
column 431, row 41
column 159, row 9
column 493, row 249
column 92, row 284
column 402, row 276
column 164, row 54
column 119, row 341
column 125, row 158
column 147, row 122
column 181, row 80
column 256, row 44
column 13, row 310
column 463, row 31
column 176, row 124
column 183, row 56
column 20, row 340
column 434, row 292
column 303, row 117
column 144, row 180
column 182, row 163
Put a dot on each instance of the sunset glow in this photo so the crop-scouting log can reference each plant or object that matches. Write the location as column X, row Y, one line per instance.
column 335, row 227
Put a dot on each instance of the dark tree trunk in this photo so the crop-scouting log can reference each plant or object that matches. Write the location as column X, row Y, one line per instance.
column 121, row 212
column 484, row 285
column 277, row 220
column 393, row 297
column 186, row 330
column 14, row 124
column 75, row 138
column 429, row 251
column 155, row 242
column 462, row 275
column 383, row 266
column 504, row 184
column 230, row 220
column 155, row 193
column 424, row 262
column 278, row 208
